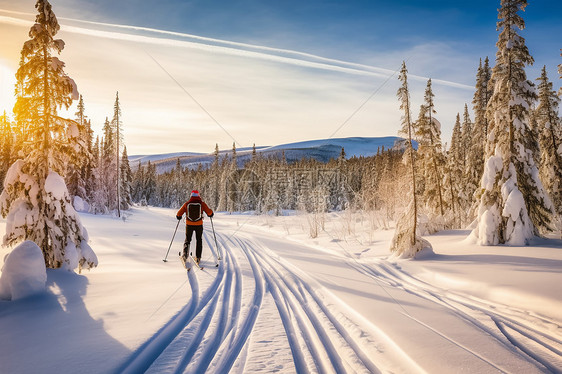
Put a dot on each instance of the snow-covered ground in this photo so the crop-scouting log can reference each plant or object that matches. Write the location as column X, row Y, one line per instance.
column 283, row 302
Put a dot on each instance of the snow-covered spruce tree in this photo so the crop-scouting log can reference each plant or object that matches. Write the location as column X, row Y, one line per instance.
column 150, row 184
column 232, row 182
column 105, row 173
column 215, row 175
column 406, row 242
column 549, row 129
column 471, row 175
column 118, row 132
column 430, row 161
column 88, row 169
column 178, row 192
column 451, row 192
column 126, row 181
column 513, row 204
column 456, row 199
column 475, row 152
column 35, row 199
column 98, row 198
column 138, row 185
column 76, row 173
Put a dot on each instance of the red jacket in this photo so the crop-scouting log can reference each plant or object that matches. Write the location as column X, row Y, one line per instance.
column 183, row 209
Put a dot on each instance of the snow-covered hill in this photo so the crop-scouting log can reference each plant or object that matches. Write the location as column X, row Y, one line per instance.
column 282, row 302
column 322, row 150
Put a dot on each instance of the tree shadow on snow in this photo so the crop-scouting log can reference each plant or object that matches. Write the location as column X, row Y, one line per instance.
column 525, row 263
column 54, row 332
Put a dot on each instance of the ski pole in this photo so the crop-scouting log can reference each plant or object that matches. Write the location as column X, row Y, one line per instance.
column 165, row 258
column 216, row 245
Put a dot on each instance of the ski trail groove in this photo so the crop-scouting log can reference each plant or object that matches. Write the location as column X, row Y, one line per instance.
column 211, row 348
column 147, row 353
column 538, row 337
column 315, row 321
column 200, row 346
column 246, row 327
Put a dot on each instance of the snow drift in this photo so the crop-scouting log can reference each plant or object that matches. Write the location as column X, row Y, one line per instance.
column 24, row 272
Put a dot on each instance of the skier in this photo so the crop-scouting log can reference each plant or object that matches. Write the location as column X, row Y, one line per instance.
column 194, row 209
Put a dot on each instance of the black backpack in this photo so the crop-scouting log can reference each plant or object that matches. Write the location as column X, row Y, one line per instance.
column 194, row 212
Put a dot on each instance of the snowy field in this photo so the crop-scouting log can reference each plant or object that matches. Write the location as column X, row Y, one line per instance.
column 283, row 302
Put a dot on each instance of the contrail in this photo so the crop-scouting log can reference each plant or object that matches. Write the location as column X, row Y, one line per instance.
column 286, row 56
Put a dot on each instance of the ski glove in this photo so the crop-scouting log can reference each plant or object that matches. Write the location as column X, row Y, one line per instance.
column 211, row 216
column 178, row 217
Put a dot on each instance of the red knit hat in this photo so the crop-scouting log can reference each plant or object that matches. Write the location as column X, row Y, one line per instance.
column 194, row 193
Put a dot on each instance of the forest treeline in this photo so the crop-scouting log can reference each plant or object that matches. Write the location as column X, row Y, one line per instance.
column 501, row 170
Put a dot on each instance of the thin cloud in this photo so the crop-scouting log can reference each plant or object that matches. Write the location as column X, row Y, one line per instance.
column 229, row 47
column 258, row 94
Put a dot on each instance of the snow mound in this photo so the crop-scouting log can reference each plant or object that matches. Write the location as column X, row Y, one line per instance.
column 23, row 273
column 80, row 205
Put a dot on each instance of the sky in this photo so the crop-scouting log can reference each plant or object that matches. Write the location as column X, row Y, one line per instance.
column 192, row 74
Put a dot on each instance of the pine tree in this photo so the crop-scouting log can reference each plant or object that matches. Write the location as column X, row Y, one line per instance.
column 455, row 166
column 138, row 185
column 471, row 174
column 549, row 128
column 406, row 241
column 76, row 178
column 513, row 204
column 36, row 201
column 232, row 180
column 91, row 164
column 216, row 176
column 118, row 132
column 150, row 184
column 98, row 194
column 108, row 168
column 431, row 159
column 475, row 156
column 126, row 181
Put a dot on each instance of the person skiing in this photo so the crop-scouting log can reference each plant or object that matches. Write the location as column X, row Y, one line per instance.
column 193, row 210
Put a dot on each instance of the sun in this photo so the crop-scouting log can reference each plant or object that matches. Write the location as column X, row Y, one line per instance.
column 7, row 84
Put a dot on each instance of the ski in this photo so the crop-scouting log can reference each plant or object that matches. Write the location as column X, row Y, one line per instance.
column 184, row 262
column 196, row 264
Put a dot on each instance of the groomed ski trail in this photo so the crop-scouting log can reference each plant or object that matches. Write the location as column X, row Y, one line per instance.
column 216, row 330
column 537, row 337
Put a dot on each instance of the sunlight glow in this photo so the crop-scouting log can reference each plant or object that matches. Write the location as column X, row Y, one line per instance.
column 7, row 83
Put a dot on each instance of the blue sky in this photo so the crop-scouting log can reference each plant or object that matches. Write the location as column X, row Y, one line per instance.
column 264, row 98
column 358, row 28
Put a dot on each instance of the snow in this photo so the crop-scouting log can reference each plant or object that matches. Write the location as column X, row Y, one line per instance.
column 55, row 187
column 517, row 231
column 75, row 94
column 23, row 273
column 283, row 302
column 59, row 44
column 353, row 146
column 80, row 205
column 56, row 64
column 36, row 29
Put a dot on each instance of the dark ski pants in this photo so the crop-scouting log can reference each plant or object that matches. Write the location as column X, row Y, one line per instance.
column 198, row 237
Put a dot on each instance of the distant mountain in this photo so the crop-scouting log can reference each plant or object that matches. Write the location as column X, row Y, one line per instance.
column 321, row 150
column 155, row 158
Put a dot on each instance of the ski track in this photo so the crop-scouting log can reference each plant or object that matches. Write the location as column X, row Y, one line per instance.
column 537, row 337
column 213, row 331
